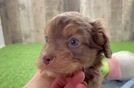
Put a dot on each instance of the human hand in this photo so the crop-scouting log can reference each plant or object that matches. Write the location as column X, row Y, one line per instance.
column 77, row 81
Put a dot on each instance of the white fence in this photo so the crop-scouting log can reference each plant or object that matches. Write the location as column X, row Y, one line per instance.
column 2, row 43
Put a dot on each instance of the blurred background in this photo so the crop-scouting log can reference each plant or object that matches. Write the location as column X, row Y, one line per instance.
column 22, row 24
column 23, row 21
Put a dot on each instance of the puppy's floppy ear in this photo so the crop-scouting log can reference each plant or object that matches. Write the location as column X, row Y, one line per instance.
column 100, row 38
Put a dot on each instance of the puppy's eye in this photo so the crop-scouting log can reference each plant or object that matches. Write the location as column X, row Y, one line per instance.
column 73, row 43
column 46, row 39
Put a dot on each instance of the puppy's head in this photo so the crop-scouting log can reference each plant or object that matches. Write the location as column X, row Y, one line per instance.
column 73, row 43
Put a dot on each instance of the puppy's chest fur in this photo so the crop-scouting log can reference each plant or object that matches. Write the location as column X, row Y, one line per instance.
column 93, row 78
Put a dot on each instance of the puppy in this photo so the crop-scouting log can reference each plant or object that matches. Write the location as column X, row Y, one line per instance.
column 74, row 43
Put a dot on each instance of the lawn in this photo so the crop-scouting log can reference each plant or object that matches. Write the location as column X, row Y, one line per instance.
column 18, row 62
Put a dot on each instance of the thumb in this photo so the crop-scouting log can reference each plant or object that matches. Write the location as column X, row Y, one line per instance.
column 75, row 80
column 58, row 83
column 81, row 86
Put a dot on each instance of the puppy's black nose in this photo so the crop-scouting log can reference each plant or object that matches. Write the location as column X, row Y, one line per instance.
column 47, row 59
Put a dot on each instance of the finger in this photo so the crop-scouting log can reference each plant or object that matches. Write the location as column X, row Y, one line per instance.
column 80, row 86
column 77, row 79
column 58, row 83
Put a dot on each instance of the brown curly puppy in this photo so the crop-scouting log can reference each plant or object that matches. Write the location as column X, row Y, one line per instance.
column 74, row 43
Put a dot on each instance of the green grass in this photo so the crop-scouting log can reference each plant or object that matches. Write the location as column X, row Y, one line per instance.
column 118, row 46
column 18, row 62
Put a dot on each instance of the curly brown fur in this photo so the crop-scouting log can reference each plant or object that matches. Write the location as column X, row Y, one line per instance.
column 74, row 43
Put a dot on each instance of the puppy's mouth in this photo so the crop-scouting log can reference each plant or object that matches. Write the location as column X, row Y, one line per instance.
column 52, row 73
